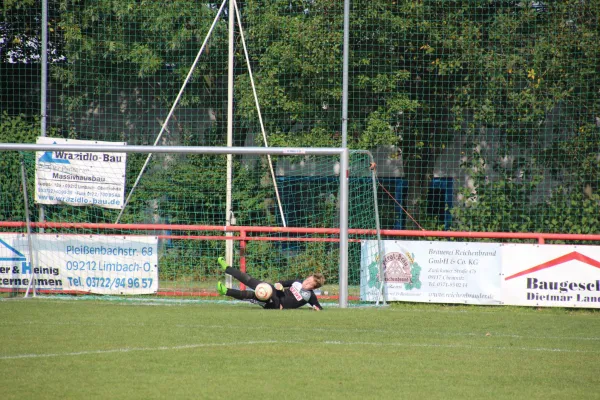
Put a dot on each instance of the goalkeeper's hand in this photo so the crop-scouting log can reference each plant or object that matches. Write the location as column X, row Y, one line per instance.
column 278, row 286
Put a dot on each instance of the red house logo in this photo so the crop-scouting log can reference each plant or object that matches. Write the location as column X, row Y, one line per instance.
column 557, row 261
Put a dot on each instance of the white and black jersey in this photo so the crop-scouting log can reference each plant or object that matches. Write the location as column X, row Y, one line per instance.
column 293, row 296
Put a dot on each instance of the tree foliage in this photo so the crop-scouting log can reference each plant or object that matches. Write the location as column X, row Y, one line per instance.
column 521, row 78
column 15, row 130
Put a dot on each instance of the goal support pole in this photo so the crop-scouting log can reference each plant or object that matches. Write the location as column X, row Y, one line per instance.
column 31, row 285
column 343, row 272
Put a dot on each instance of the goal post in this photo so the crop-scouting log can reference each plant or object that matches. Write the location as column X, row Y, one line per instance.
column 326, row 213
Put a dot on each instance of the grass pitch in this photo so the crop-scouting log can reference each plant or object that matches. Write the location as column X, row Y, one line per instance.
column 87, row 349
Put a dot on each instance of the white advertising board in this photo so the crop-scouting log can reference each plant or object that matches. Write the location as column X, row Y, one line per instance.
column 80, row 178
column 437, row 272
column 551, row 275
column 83, row 263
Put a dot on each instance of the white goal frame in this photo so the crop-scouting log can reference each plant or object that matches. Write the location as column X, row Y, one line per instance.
column 343, row 153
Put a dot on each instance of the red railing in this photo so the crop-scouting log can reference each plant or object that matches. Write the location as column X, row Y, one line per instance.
column 244, row 231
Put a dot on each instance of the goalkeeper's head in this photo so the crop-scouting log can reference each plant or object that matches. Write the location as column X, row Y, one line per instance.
column 314, row 281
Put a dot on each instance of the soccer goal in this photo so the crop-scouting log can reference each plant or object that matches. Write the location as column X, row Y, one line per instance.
column 289, row 215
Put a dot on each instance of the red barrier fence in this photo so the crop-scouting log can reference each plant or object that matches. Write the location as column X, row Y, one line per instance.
column 328, row 234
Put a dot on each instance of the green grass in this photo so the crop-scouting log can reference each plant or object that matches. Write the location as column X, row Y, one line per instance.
column 88, row 349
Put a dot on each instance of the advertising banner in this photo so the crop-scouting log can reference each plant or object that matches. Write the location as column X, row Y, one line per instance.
column 93, row 264
column 551, row 275
column 80, row 178
column 438, row 272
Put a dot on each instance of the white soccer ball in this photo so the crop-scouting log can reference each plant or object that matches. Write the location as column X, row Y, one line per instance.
column 263, row 291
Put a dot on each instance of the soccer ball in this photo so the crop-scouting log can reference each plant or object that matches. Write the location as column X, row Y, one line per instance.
column 263, row 291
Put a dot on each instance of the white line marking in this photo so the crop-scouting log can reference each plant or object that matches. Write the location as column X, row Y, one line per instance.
column 131, row 349
column 327, row 343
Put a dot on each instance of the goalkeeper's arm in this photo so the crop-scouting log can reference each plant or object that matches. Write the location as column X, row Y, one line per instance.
column 314, row 302
column 282, row 285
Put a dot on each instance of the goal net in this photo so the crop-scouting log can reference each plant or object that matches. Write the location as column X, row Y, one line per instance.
column 73, row 222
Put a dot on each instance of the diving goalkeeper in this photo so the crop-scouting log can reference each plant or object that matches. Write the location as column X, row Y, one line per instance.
column 287, row 294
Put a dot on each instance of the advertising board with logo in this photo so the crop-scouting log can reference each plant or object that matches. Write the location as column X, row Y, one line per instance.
column 80, row 178
column 93, row 264
column 436, row 272
column 482, row 273
column 551, row 275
